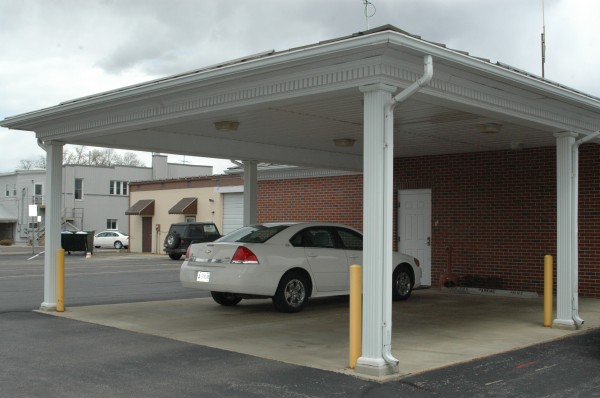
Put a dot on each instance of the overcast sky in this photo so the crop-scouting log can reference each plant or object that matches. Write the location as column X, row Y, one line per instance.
column 56, row 50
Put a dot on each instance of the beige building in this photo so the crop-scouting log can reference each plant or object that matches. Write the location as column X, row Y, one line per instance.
column 155, row 205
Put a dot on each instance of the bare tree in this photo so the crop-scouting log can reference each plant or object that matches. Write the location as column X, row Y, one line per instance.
column 40, row 163
column 25, row 164
column 82, row 155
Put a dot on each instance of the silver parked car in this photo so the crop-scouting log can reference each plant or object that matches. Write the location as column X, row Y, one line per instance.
column 110, row 239
column 288, row 262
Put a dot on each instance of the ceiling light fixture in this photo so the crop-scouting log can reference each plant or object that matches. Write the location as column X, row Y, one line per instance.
column 344, row 142
column 227, row 125
column 490, row 128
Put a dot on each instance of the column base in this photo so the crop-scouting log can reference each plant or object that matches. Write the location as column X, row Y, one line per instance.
column 564, row 324
column 48, row 307
column 375, row 367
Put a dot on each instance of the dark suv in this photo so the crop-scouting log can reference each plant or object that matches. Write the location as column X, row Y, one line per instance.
column 181, row 235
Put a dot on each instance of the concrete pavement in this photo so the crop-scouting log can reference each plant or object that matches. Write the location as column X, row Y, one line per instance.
column 433, row 329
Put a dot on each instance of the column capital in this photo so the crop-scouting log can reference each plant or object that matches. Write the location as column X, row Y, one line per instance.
column 369, row 88
column 566, row 134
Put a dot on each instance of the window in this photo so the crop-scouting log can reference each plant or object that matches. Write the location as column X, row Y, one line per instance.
column 111, row 223
column 351, row 239
column 38, row 194
column 118, row 188
column 7, row 190
column 79, row 188
column 314, row 237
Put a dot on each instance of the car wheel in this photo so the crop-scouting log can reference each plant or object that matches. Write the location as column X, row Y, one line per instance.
column 226, row 299
column 401, row 283
column 175, row 256
column 118, row 245
column 173, row 240
column 291, row 294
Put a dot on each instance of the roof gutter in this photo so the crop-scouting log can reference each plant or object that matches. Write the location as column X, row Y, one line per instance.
column 388, row 206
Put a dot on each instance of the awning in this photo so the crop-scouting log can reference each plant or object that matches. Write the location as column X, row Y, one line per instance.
column 185, row 206
column 6, row 215
column 144, row 207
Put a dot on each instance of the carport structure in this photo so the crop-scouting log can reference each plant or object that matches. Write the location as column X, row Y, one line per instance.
column 338, row 104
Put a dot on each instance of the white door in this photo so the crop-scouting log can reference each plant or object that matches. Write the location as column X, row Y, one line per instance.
column 233, row 212
column 414, row 228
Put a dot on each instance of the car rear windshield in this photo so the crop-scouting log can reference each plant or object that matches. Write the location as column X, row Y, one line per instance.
column 253, row 234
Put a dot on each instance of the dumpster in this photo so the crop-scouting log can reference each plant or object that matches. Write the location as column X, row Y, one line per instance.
column 74, row 241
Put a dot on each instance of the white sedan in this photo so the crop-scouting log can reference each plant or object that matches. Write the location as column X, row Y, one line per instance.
column 288, row 262
column 110, row 239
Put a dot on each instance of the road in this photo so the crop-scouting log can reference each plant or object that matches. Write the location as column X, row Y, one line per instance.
column 105, row 278
column 46, row 356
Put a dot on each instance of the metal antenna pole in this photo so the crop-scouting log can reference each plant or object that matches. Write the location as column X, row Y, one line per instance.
column 543, row 39
column 368, row 14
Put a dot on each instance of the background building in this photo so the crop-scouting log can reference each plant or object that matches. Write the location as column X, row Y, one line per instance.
column 93, row 198
column 155, row 205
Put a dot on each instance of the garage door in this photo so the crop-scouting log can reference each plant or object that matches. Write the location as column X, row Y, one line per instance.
column 233, row 212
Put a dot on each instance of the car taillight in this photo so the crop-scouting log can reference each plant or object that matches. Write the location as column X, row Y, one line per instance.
column 243, row 255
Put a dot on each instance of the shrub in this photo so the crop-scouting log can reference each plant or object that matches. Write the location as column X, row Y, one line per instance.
column 6, row 242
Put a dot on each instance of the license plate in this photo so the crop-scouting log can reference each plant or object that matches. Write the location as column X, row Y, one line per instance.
column 203, row 276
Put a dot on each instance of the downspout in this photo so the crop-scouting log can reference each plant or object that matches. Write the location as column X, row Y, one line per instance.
column 388, row 205
column 575, row 227
column 41, row 145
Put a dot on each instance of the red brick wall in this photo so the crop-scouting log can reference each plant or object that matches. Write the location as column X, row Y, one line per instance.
column 333, row 199
column 496, row 210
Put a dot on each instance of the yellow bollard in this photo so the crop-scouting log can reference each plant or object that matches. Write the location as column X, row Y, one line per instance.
column 355, row 314
column 60, row 280
column 548, row 290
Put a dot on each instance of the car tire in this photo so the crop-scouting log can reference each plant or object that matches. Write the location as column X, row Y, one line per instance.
column 118, row 245
column 172, row 240
column 292, row 293
column 401, row 283
column 226, row 299
column 175, row 256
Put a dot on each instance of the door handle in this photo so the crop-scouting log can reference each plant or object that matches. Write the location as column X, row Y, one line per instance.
column 429, row 241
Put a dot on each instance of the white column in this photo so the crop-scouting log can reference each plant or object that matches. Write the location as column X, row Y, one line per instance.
column 564, row 230
column 250, row 192
column 54, row 152
column 375, row 244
